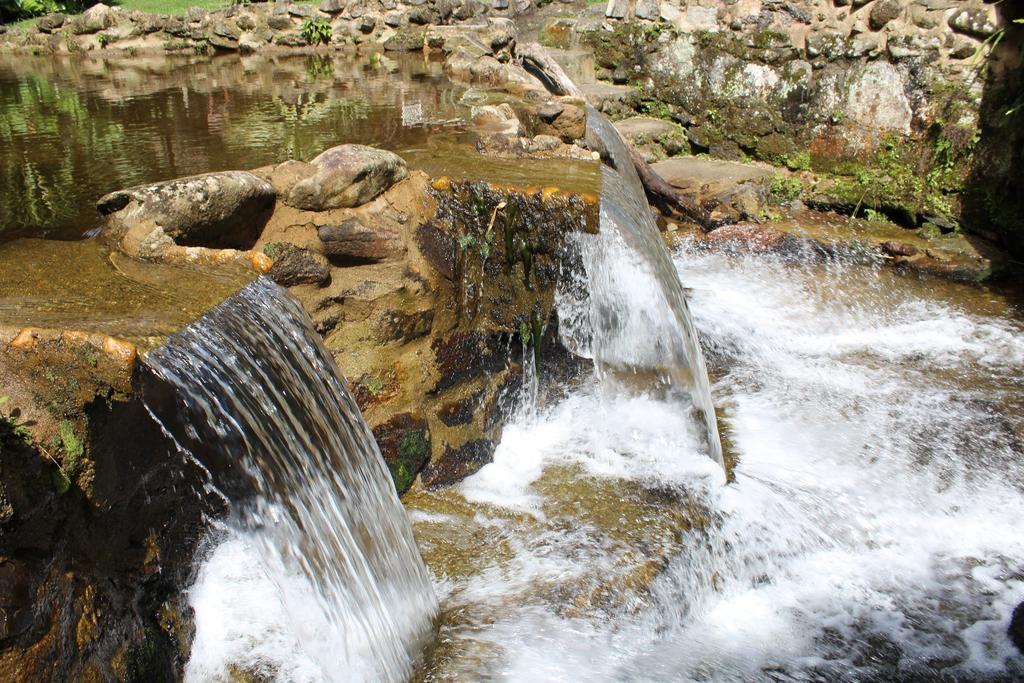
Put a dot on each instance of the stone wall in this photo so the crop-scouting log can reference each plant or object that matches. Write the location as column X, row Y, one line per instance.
column 884, row 94
column 386, row 24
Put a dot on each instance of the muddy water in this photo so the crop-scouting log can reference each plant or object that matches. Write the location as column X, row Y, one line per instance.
column 74, row 129
column 84, row 286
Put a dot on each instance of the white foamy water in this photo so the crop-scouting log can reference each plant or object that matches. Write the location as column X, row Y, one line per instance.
column 873, row 531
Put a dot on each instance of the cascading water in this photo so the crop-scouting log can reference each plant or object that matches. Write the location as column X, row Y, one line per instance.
column 318, row 577
column 638, row 328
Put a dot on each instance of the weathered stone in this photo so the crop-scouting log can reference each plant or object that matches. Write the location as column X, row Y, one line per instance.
column 460, row 412
column 464, row 356
column 347, row 175
column 616, row 9
column 93, row 20
column 283, row 176
column 367, row 23
column 280, row 22
column 422, row 16
column 196, row 15
column 642, row 130
column 882, row 12
column 393, row 19
column 974, row 22
column 296, row 266
column 352, row 242
column 455, row 464
column 253, row 41
column 404, row 327
column 408, row 40
column 648, row 9
column 404, row 442
column 50, row 23
column 290, row 40
column 332, row 6
column 501, row 119
column 225, row 209
column 301, row 11
column 222, row 43
column 438, row 248
column 227, row 29
column 246, row 22
column 569, row 124
column 472, row 67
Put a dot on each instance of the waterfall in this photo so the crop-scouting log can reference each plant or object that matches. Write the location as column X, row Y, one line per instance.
column 254, row 393
column 637, row 325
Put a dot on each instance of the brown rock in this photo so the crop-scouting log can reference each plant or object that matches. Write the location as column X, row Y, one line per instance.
column 460, row 412
column 882, row 12
column 455, row 464
column 438, row 248
column 464, row 356
column 296, row 266
column 352, row 242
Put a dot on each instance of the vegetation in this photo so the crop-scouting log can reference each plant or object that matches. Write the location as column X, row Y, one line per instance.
column 12, row 429
column 316, row 32
column 413, row 452
column 71, row 449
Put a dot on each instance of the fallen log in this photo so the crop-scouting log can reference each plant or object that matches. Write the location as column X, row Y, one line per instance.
column 670, row 201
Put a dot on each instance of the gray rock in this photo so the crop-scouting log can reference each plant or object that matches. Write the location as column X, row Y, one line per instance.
column 407, row 40
column 499, row 4
column 974, row 22
column 393, row 19
column 196, row 15
column 347, row 175
column 246, row 22
column 254, row 41
column 227, row 30
column 332, row 6
column 93, row 20
column 280, row 22
column 50, row 23
column 290, row 40
column 301, row 11
column 422, row 16
column 352, row 242
column 617, row 9
column 648, row 9
column 225, row 209
column 367, row 23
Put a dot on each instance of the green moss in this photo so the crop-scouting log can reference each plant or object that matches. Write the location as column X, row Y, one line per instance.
column 72, row 451
column 12, row 430
column 784, row 189
column 413, row 452
column 801, row 161
column 768, row 38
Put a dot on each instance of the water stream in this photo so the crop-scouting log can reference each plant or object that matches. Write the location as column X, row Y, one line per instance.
column 315, row 575
column 872, row 532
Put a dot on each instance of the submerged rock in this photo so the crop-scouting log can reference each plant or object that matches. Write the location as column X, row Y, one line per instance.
column 346, row 176
column 226, row 209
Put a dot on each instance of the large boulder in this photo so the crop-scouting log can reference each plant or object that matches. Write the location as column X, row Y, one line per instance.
column 93, row 20
column 224, row 210
column 346, row 176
